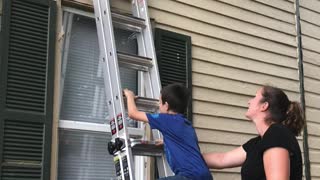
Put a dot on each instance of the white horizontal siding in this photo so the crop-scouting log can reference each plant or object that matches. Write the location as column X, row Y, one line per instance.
column 237, row 46
column 310, row 29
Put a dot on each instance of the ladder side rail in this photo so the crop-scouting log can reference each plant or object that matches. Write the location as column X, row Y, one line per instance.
column 67, row 26
column 107, row 83
column 141, row 91
column 140, row 10
column 112, row 59
column 151, row 78
column 154, row 72
column 126, row 159
column 108, row 79
column 105, row 64
column 143, row 51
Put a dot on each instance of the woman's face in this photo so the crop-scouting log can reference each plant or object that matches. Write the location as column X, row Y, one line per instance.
column 255, row 105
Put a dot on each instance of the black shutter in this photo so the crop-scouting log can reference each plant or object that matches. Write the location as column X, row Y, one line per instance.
column 174, row 60
column 26, row 88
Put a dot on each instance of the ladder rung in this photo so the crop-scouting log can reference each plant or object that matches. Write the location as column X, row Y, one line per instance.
column 128, row 22
column 146, row 104
column 134, row 62
column 145, row 148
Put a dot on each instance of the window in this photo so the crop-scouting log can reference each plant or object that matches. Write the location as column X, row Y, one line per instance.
column 84, row 126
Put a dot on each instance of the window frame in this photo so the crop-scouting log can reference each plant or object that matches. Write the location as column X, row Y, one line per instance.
column 90, row 126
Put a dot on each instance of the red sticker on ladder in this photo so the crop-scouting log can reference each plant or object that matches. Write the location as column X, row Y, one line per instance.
column 120, row 121
column 113, row 126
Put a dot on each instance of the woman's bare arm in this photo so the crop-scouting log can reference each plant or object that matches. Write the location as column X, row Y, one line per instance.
column 233, row 158
column 276, row 163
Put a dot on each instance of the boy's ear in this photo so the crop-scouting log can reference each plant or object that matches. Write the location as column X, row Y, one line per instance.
column 166, row 106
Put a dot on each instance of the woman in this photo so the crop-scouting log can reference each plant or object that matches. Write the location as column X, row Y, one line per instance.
column 275, row 153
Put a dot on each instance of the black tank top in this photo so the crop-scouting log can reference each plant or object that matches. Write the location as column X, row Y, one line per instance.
column 277, row 135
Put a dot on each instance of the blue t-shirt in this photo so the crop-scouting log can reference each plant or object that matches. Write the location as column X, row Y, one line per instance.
column 180, row 145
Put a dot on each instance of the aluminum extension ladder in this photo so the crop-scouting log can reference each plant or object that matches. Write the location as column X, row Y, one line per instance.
column 122, row 146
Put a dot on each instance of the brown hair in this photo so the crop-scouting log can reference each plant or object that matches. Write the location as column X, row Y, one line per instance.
column 177, row 96
column 282, row 110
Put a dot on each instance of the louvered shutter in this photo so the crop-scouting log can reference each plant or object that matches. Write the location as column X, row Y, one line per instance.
column 174, row 59
column 26, row 88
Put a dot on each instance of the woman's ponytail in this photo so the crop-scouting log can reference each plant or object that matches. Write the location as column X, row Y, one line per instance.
column 295, row 119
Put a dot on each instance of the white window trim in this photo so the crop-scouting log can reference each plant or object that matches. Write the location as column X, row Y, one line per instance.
column 78, row 11
column 87, row 126
column 70, row 124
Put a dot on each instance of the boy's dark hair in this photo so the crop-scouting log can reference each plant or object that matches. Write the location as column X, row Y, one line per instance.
column 177, row 97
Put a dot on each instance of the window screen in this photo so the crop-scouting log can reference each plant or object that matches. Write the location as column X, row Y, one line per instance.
column 83, row 156
column 83, row 96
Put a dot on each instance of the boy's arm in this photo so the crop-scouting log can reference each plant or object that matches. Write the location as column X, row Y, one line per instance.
column 133, row 112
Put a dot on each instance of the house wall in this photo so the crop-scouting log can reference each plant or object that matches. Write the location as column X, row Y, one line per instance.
column 237, row 47
column 310, row 29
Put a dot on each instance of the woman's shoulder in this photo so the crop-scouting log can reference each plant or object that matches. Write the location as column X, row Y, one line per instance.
column 278, row 135
column 278, row 130
column 251, row 143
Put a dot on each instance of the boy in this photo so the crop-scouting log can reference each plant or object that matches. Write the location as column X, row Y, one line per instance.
column 180, row 140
